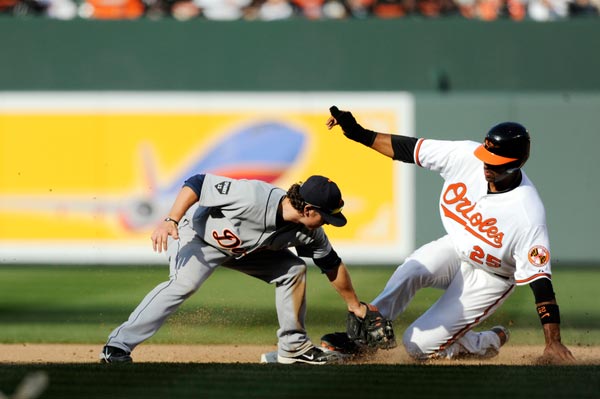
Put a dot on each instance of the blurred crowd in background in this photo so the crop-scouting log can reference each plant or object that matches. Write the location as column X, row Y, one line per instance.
column 272, row 10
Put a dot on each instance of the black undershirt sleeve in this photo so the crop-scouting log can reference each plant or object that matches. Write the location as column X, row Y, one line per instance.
column 404, row 148
column 329, row 262
column 542, row 290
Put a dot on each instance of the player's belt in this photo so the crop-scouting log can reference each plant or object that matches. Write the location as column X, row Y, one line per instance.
column 501, row 276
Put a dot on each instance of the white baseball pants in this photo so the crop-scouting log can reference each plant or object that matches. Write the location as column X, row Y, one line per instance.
column 445, row 329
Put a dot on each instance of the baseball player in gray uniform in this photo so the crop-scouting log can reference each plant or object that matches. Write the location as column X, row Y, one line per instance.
column 496, row 239
column 249, row 226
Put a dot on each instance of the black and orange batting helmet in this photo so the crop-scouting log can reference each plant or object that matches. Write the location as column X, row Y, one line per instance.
column 505, row 144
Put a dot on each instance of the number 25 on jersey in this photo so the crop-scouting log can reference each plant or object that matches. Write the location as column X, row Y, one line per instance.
column 478, row 255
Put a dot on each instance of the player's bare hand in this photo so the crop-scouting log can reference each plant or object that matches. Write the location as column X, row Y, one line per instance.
column 359, row 309
column 161, row 234
column 556, row 353
column 332, row 121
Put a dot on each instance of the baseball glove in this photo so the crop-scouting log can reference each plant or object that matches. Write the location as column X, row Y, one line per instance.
column 373, row 330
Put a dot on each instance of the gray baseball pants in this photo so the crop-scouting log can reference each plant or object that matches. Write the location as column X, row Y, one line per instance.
column 191, row 262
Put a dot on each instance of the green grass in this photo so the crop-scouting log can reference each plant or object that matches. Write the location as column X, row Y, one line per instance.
column 224, row 381
column 83, row 304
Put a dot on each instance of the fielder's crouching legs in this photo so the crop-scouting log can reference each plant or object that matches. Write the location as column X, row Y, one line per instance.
column 287, row 272
column 291, row 311
column 154, row 309
column 191, row 264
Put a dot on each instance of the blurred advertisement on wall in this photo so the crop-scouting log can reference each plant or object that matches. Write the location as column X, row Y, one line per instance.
column 85, row 176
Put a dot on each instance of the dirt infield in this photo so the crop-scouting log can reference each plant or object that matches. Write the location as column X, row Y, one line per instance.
column 75, row 353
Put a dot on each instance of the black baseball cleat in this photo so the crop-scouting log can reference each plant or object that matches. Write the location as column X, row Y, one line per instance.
column 111, row 354
column 312, row 356
column 340, row 342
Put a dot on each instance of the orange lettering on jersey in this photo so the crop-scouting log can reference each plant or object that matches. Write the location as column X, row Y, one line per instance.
column 227, row 240
column 486, row 230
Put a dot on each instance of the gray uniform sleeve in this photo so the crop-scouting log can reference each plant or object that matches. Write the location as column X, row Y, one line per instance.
column 219, row 191
column 321, row 251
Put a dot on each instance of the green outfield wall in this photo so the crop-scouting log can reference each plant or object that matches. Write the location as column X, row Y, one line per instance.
column 465, row 75
column 300, row 55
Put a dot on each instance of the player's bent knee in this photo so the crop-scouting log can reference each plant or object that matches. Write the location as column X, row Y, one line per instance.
column 412, row 348
column 298, row 271
column 293, row 275
column 415, row 349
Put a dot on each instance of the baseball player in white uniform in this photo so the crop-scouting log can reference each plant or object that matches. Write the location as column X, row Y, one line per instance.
column 496, row 239
column 246, row 225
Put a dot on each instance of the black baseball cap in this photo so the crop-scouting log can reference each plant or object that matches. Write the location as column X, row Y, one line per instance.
column 325, row 197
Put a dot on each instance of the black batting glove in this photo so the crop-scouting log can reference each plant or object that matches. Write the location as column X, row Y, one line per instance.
column 351, row 128
column 345, row 119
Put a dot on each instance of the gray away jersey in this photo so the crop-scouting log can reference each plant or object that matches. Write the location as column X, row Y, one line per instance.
column 239, row 217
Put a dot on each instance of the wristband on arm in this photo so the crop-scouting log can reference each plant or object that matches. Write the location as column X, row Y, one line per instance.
column 549, row 313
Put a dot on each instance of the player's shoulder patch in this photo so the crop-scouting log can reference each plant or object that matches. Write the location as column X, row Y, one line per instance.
column 223, row 187
column 538, row 255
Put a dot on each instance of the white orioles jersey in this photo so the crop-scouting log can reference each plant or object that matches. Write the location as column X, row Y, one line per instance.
column 503, row 233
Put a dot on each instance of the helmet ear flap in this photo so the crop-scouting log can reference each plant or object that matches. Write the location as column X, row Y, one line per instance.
column 525, row 156
column 518, row 164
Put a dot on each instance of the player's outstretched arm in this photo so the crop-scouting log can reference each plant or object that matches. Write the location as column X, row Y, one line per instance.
column 364, row 324
column 341, row 281
column 549, row 314
column 380, row 142
column 555, row 351
column 168, row 227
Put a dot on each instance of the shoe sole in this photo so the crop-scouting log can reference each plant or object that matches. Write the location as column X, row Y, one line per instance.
column 273, row 357
column 292, row 360
column 104, row 360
